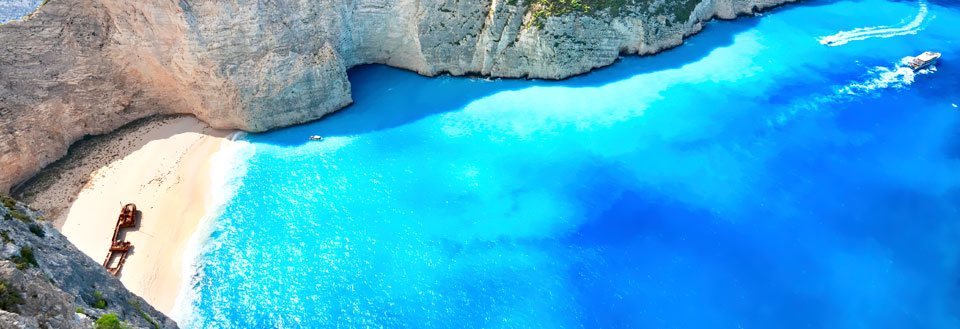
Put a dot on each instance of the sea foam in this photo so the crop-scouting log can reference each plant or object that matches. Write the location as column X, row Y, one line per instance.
column 896, row 76
column 864, row 33
column 227, row 166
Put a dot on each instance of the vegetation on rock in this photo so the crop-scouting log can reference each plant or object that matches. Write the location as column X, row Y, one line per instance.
column 13, row 211
column 25, row 259
column 98, row 300
column 144, row 315
column 540, row 10
column 10, row 298
column 8, row 202
column 108, row 321
column 18, row 215
column 37, row 230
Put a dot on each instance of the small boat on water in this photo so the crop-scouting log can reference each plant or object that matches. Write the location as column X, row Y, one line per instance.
column 829, row 41
column 924, row 60
column 316, row 138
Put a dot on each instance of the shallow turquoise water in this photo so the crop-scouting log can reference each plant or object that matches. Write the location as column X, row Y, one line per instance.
column 752, row 178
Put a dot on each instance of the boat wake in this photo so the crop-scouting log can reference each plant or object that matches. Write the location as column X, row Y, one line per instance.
column 864, row 33
column 899, row 76
column 896, row 77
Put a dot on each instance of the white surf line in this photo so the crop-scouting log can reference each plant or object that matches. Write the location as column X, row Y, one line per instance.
column 228, row 166
column 864, row 33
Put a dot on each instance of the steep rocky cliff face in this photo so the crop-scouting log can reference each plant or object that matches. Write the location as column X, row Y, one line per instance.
column 45, row 282
column 86, row 67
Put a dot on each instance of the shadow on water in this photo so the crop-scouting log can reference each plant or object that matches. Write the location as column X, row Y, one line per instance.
column 388, row 97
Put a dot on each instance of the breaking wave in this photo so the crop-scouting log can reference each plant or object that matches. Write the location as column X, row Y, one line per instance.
column 228, row 165
column 912, row 27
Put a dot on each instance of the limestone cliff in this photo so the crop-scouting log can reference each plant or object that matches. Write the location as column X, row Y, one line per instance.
column 45, row 282
column 85, row 67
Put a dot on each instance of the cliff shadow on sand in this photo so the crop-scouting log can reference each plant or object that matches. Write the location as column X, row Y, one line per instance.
column 54, row 189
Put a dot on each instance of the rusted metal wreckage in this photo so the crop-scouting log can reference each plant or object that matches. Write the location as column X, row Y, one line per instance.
column 117, row 254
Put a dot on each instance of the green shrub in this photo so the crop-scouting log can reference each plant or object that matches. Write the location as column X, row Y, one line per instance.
column 80, row 310
column 548, row 8
column 540, row 10
column 98, row 300
column 10, row 297
column 13, row 211
column 25, row 259
column 144, row 315
column 8, row 202
column 108, row 321
column 20, row 216
column 682, row 10
column 37, row 230
column 6, row 236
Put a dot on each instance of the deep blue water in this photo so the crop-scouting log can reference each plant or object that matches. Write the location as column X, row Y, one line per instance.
column 752, row 178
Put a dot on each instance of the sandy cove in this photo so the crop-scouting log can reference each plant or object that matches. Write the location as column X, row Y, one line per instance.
column 163, row 166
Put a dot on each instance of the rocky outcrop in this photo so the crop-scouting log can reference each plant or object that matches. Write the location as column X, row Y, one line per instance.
column 46, row 282
column 85, row 67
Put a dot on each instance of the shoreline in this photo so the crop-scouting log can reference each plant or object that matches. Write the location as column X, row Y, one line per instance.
column 222, row 169
column 164, row 166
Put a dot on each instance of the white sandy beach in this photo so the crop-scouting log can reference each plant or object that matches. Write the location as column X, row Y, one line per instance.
column 164, row 169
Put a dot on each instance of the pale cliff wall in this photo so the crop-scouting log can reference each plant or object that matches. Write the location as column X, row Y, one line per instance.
column 89, row 66
column 85, row 67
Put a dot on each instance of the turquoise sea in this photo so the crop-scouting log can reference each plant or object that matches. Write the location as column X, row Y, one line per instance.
column 752, row 178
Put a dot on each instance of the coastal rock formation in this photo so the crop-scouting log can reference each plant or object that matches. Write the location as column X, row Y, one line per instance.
column 45, row 282
column 83, row 67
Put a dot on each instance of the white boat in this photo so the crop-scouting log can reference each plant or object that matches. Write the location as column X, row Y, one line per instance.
column 924, row 60
column 316, row 138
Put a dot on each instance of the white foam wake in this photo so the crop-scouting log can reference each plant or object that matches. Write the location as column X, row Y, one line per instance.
column 899, row 76
column 864, row 33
